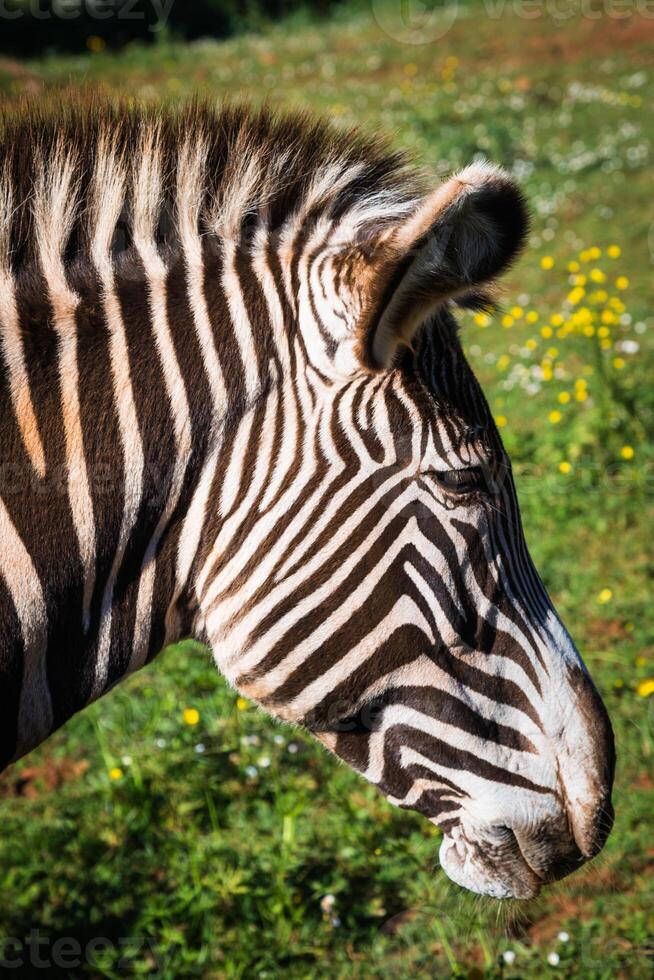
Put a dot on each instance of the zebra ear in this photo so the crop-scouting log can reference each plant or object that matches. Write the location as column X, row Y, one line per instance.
column 460, row 237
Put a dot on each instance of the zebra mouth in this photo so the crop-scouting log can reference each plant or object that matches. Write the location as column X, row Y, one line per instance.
column 492, row 865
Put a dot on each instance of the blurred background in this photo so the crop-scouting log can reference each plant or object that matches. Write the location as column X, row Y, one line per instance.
column 172, row 830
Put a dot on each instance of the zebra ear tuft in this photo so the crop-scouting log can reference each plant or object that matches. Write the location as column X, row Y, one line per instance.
column 459, row 238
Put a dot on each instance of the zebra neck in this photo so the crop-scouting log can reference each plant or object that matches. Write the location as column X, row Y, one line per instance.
column 99, row 491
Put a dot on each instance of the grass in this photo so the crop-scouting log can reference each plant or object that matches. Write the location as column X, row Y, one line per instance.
column 225, row 845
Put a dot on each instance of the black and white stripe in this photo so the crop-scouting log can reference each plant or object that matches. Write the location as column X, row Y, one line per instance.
column 235, row 405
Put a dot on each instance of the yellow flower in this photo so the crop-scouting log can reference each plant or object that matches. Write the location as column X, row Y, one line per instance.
column 608, row 317
column 589, row 330
column 605, row 344
column 581, row 394
column 546, row 332
column 531, row 344
column 500, row 421
column 547, row 372
column 532, row 316
column 482, row 319
column 594, row 253
column 622, row 282
column 191, row 716
column 547, row 262
column 507, row 321
column 241, row 704
column 627, row 452
column 603, row 332
column 616, row 304
column 619, row 363
column 604, row 596
column 645, row 688
column 640, row 661
column 516, row 312
column 581, row 383
column 579, row 280
column 503, row 362
column 115, row 773
column 614, row 251
column 576, row 295
column 573, row 267
column 556, row 320
column 597, row 275
column 585, row 255
column 552, row 352
column 555, row 416
column 564, row 397
column 565, row 467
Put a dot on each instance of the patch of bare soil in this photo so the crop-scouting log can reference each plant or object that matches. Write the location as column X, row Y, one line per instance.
column 31, row 781
column 575, row 40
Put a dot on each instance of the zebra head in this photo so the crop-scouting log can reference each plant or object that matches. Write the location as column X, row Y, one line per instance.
column 378, row 590
column 252, row 320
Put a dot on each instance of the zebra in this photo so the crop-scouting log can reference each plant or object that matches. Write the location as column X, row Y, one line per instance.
column 236, row 407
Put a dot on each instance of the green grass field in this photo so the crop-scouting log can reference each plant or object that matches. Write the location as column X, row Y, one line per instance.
column 198, row 838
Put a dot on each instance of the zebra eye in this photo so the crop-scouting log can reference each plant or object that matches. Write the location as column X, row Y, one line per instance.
column 461, row 481
column 353, row 725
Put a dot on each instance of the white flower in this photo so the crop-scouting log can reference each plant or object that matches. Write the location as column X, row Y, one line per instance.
column 264, row 761
column 126, row 760
column 292, row 748
column 199, row 748
column 563, row 937
column 278, row 740
column 508, row 956
column 628, row 346
column 251, row 772
column 553, row 959
column 160, row 743
column 327, row 903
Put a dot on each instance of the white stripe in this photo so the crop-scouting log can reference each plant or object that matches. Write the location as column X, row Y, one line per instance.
column 55, row 200
column 240, row 321
column 148, row 184
column 14, row 355
column 108, row 198
column 22, row 581
column 133, row 462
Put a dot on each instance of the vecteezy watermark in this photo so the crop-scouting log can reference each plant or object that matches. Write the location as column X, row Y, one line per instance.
column 424, row 21
column 566, row 9
column 414, row 21
column 40, row 952
column 155, row 12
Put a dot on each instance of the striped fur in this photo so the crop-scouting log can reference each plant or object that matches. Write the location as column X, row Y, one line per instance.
column 235, row 406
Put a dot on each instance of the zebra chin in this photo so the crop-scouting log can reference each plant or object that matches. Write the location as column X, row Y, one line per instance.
column 515, row 862
column 493, row 867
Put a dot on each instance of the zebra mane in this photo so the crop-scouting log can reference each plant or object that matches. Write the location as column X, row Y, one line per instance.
column 83, row 181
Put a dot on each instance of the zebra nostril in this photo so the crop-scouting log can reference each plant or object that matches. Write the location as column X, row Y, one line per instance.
column 550, row 855
column 591, row 824
column 555, row 847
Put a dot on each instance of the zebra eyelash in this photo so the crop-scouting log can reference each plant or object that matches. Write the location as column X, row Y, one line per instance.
column 362, row 720
column 461, row 482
